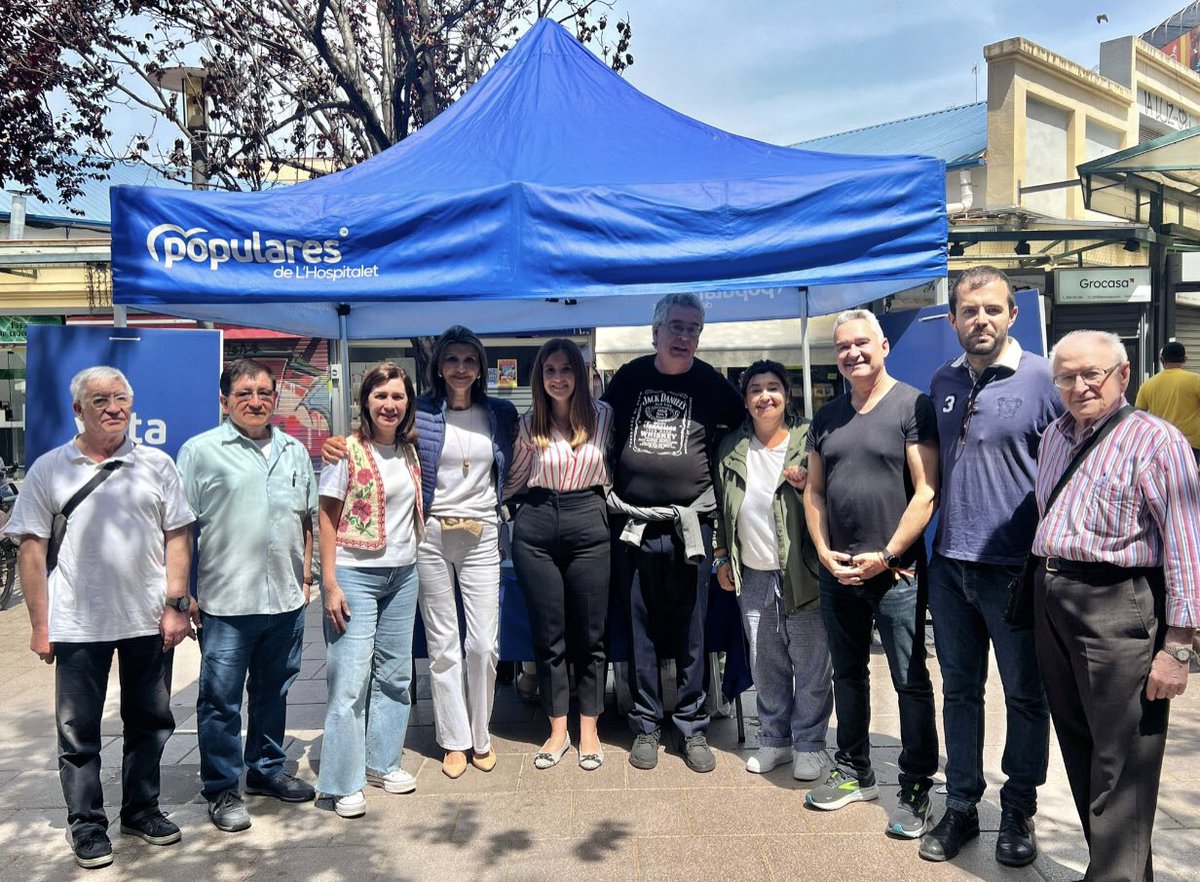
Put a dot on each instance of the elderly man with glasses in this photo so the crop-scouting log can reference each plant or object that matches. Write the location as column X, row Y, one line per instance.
column 993, row 405
column 106, row 585
column 253, row 490
column 1116, row 595
column 670, row 408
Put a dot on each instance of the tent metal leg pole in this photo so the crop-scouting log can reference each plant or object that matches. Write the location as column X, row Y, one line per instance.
column 341, row 415
column 805, row 346
column 120, row 316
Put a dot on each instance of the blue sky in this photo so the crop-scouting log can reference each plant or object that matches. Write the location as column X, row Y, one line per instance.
column 787, row 71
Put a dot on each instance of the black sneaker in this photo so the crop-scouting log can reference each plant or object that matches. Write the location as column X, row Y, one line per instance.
column 697, row 754
column 92, row 848
column 284, row 787
column 955, row 829
column 644, row 754
column 227, row 811
column 1016, row 846
column 153, row 827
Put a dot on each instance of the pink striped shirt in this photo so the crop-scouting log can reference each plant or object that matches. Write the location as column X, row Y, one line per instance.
column 558, row 467
column 1135, row 497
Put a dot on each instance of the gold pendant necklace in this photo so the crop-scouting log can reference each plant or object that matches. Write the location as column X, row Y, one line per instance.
column 465, row 450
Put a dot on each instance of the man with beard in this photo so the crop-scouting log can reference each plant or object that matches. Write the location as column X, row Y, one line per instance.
column 994, row 402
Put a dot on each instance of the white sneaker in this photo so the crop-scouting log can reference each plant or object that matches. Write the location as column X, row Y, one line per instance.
column 398, row 781
column 767, row 758
column 352, row 806
column 808, row 765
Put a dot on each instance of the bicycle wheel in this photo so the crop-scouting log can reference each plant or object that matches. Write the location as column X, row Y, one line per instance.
column 8, row 580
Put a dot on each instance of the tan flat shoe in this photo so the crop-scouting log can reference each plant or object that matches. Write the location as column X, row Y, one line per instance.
column 454, row 764
column 485, row 762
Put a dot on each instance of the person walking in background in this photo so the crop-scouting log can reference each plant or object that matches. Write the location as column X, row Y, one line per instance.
column 1174, row 395
column 107, row 589
column 253, row 491
column 561, row 547
column 1116, row 596
column 872, row 488
column 993, row 404
column 669, row 409
column 764, row 552
column 371, row 525
column 464, row 445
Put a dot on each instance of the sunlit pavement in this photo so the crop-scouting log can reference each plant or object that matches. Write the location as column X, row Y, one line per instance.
column 519, row 823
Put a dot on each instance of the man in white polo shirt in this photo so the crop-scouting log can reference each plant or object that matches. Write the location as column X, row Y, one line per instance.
column 112, row 588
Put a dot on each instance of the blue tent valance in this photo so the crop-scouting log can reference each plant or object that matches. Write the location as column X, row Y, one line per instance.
column 550, row 179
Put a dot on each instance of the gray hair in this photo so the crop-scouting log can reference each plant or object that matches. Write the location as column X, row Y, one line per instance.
column 100, row 373
column 677, row 298
column 1106, row 338
column 859, row 315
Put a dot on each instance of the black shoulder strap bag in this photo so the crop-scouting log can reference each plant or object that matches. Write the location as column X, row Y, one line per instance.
column 58, row 526
column 1019, row 611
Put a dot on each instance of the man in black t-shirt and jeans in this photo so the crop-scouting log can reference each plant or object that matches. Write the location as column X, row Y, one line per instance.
column 872, row 489
column 669, row 411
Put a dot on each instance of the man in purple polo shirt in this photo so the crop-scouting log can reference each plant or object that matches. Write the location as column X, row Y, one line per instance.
column 1116, row 598
column 993, row 404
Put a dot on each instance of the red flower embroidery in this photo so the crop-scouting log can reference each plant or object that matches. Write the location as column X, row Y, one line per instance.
column 361, row 509
column 343, row 525
column 364, row 476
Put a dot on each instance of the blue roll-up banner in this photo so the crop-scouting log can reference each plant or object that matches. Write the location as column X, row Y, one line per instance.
column 174, row 374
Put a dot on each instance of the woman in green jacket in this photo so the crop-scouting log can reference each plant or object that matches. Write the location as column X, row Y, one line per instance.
column 764, row 553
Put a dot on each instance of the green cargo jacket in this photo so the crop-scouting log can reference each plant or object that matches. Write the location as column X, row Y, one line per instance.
column 797, row 553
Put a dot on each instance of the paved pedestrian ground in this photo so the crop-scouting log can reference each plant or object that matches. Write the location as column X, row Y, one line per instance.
column 517, row 823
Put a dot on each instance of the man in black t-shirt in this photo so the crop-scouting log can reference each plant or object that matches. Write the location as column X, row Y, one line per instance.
column 872, row 488
column 669, row 411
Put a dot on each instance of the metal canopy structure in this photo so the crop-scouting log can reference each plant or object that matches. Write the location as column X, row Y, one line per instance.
column 1155, row 183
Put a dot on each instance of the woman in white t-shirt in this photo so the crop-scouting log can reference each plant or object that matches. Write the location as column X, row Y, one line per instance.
column 371, row 524
column 765, row 553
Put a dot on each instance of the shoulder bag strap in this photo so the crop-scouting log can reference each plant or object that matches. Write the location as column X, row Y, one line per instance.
column 1087, row 448
column 96, row 480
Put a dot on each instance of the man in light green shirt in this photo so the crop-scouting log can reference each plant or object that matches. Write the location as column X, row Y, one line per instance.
column 253, row 491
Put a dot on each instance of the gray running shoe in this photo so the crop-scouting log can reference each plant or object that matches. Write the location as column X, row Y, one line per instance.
column 910, row 819
column 841, row 789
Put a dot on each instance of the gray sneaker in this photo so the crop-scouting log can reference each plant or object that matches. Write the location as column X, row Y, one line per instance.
column 841, row 789
column 910, row 819
column 645, row 750
column 697, row 754
column 228, row 812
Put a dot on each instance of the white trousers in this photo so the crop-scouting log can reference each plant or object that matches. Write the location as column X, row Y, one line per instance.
column 462, row 688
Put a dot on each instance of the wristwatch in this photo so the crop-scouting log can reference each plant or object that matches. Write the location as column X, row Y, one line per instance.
column 1181, row 654
column 183, row 604
column 892, row 560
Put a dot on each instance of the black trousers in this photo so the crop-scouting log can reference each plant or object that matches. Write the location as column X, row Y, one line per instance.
column 665, row 598
column 561, row 557
column 1096, row 637
column 80, row 683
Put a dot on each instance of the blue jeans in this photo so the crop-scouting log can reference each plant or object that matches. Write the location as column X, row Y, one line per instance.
column 968, row 601
column 267, row 648
column 899, row 611
column 789, row 660
column 368, row 668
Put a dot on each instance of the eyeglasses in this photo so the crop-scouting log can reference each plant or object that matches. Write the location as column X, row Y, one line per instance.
column 1093, row 377
column 682, row 329
column 247, row 394
column 101, row 402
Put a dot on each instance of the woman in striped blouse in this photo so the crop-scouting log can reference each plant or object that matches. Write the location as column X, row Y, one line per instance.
column 561, row 544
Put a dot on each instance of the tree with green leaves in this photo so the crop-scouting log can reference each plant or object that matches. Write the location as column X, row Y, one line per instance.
column 270, row 88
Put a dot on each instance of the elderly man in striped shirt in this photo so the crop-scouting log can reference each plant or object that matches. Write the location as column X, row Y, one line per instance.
column 1116, row 596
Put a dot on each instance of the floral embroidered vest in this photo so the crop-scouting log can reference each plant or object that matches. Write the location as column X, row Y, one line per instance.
column 363, row 523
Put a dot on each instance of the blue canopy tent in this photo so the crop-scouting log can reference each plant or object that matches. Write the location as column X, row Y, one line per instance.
column 556, row 194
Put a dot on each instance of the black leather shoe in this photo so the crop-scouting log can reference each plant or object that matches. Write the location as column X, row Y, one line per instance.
column 1016, row 845
column 954, row 829
column 283, row 786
